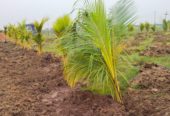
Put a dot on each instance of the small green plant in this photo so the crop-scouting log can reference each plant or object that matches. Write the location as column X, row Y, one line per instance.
column 14, row 33
column 165, row 25
column 61, row 25
column 153, row 27
column 22, row 30
column 38, row 37
column 24, row 35
column 147, row 27
column 169, row 24
column 131, row 28
column 142, row 27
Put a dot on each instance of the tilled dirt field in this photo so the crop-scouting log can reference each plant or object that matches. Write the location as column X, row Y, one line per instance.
column 152, row 98
column 157, row 50
column 32, row 85
column 160, row 47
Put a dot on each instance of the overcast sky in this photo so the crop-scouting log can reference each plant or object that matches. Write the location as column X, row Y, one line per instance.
column 13, row 11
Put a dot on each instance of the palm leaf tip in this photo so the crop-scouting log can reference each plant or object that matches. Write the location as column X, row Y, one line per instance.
column 121, row 15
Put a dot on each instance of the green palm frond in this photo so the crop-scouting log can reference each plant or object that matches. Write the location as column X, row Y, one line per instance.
column 61, row 25
column 121, row 15
column 39, row 25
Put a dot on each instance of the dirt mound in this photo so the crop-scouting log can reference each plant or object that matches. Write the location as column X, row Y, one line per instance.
column 152, row 98
column 157, row 50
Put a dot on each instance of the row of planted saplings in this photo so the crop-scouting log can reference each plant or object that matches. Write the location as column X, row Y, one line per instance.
column 20, row 35
column 23, row 37
column 147, row 27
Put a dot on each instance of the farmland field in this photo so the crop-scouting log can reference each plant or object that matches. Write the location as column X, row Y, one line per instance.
column 91, row 61
column 33, row 85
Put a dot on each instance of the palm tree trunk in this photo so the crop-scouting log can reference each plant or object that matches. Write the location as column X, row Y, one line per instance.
column 40, row 49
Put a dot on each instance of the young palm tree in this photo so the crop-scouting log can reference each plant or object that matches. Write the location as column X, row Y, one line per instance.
column 14, row 33
column 28, row 37
column 153, row 27
column 142, row 27
column 95, row 55
column 61, row 25
column 147, row 27
column 165, row 25
column 24, row 34
column 22, row 30
column 38, row 37
column 131, row 28
column 9, row 32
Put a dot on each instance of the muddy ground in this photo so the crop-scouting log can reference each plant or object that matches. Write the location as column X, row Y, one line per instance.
column 33, row 85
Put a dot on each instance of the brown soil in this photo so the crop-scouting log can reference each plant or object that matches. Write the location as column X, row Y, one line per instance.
column 152, row 98
column 32, row 85
column 161, row 37
column 157, row 50
column 134, row 42
column 160, row 45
